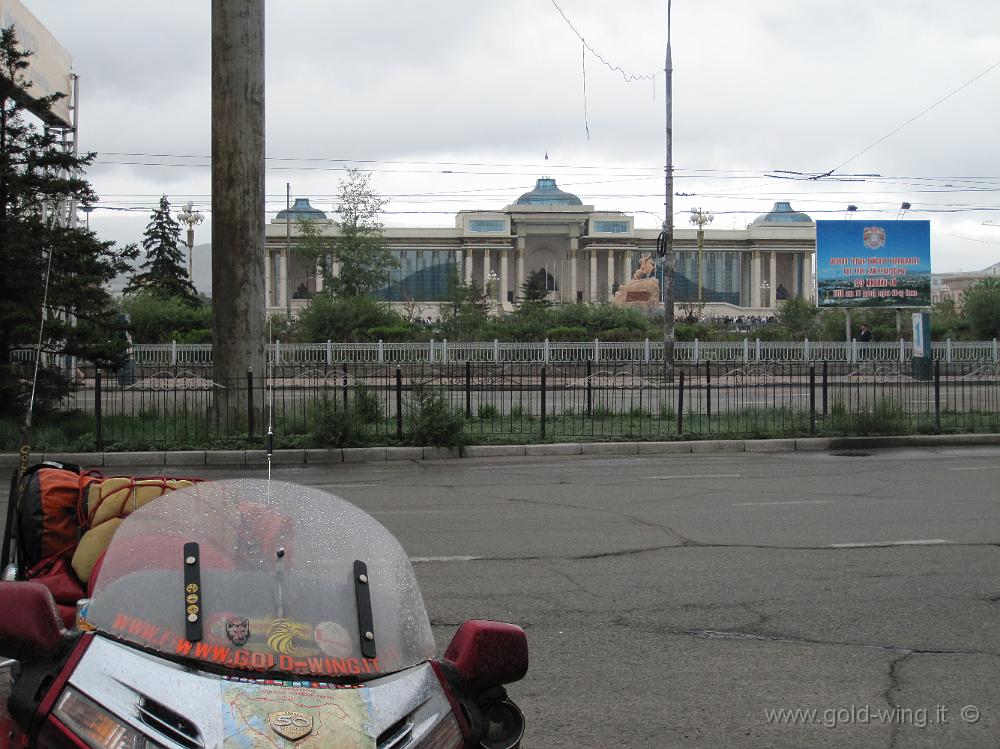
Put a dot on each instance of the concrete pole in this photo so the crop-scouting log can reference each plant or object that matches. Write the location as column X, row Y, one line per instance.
column 237, row 194
column 668, row 216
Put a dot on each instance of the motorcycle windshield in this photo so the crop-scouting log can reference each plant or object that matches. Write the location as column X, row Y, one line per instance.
column 280, row 588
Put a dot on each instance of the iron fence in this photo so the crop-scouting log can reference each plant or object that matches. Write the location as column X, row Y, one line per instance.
column 370, row 403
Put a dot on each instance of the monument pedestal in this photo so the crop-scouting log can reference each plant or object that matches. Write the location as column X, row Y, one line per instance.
column 641, row 294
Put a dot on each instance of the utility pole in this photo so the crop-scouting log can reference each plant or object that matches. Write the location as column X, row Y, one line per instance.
column 666, row 243
column 700, row 218
column 237, row 197
column 286, row 286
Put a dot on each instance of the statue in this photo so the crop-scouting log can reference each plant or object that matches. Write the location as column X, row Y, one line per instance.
column 643, row 291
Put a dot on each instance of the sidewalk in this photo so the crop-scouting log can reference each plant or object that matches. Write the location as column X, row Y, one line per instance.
column 188, row 458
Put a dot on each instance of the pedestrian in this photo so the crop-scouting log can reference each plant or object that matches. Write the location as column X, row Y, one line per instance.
column 865, row 335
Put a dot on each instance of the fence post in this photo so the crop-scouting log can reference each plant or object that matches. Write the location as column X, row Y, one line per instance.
column 329, row 352
column 708, row 389
column 344, row 387
column 646, row 350
column 696, row 351
column 381, row 352
column 902, row 351
column 680, row 404
column 399, row 403
column 995, row 351
column 430, row 356
column 937, row 394
column 746, row 351
column 812, row 399
column 757, row 351
column 854, row 351
column 543, row 402
column 98, row 421
column 277, row 351
column 173, row 353
column 597, row 350
column 545, row 351
column 250, row 424
column 824, row 388
column 807, row 350
column 468, row 389
column 496, row 351
column 590, row 388
column 948, row 350
column 444, row 351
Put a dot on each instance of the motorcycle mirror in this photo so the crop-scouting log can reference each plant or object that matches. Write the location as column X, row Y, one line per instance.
column 31, row 626
column 487, row 654
column 503, row 725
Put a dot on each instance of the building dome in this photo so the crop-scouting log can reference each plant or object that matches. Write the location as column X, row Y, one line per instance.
column 781, row 215
column 301, row 211
column 546, row 193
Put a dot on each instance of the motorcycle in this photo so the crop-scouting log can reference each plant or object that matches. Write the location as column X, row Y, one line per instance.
column 251, row 613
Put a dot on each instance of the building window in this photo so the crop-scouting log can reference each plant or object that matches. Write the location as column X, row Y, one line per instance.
column 487, row 225
column 611, row 227
column 422, row 276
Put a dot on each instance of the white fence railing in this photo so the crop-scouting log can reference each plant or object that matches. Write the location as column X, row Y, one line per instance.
column 444, row 351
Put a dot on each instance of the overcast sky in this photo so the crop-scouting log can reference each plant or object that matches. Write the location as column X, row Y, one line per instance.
column 452, row 105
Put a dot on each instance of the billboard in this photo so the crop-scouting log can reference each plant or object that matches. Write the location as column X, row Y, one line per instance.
column 873, row 263
column 50, row 66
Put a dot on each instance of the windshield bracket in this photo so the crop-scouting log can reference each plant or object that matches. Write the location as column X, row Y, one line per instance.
column 362, row 594
column 192, row 592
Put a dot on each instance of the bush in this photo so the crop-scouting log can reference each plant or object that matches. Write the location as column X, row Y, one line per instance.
column 567, row 333
column 367, row 405
column 157, row 319
column 886, row 417
column 487, row 412
column 434, row 421
column 337, row 426
column 345, row 319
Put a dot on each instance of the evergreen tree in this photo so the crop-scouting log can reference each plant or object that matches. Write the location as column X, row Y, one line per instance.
column 40, row 180
column 164, row 272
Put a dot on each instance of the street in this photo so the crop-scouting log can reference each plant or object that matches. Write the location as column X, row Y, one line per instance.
column 685, row 600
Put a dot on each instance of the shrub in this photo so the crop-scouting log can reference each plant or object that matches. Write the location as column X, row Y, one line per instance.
column 517, row 411
column 337, row 426
column 434, row 421
column 367, row 405
column 600, row 413
column 487, row 411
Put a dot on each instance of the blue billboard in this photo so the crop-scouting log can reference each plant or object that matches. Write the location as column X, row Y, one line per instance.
column 873, row 263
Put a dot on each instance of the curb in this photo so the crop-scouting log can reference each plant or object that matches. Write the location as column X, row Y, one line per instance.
column 322, row 456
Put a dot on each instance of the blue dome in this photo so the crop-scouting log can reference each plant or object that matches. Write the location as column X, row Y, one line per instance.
column 301, row 211
column 546, row 193
column 782, row 214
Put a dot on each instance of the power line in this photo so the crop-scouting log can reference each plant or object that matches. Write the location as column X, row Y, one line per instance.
column 629, row 77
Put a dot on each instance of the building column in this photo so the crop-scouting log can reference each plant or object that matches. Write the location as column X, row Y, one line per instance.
column 755, row 279
column 521, row 242
column 611, row 272
column 503, row 277
column 806, row 281
column 626, row 275
column 468, row 266
column 773, row 285
column 283, row 282
column 574, row 253
column 268, row 280
column 486, row 268
column 593, row 275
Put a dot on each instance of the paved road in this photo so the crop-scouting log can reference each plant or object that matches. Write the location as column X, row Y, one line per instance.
column 676, row 600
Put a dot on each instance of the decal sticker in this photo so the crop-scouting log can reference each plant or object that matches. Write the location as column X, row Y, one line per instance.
column 237, row 630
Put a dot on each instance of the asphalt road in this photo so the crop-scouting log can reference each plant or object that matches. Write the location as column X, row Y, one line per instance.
column 676, row 600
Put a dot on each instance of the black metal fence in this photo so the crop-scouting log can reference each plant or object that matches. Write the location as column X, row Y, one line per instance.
column 523, row 402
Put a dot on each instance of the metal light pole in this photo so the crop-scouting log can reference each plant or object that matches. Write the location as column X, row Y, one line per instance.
column 666, row 241
column 700, row 218
column 192, row 218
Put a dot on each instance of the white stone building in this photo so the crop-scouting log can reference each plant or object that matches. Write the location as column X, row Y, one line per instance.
column 580, row 253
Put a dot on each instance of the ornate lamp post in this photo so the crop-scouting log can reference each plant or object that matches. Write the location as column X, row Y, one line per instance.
column 700, row 218
column 192, row 218
column 491, row 291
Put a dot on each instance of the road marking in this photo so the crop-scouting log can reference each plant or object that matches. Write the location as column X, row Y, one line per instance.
column 918, row 542
column 700, row 476
column 409, row 512
column 790, row 502
column 418, row 560
column 976, row 468
column 341, row 486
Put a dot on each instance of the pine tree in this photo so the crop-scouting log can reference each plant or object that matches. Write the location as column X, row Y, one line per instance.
column 40, row 181
column 164, row 272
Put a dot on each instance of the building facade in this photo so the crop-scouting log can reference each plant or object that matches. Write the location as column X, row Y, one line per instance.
column 579, row 253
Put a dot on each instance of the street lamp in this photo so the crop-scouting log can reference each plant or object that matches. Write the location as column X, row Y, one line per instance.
column 491, row 289
column 765, row 288
column 700, row 218
column 192, row 218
